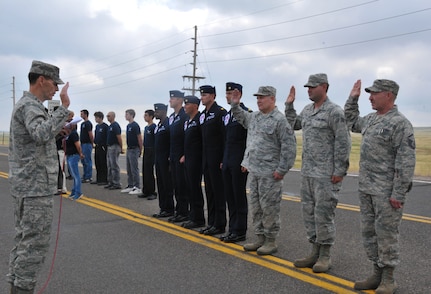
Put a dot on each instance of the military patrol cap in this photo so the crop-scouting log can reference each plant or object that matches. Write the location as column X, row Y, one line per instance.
column 383, row 85
column 232, row 86
column 160, row 106
column 316, row 80
column 192, row 99
column 47, row 70
column 266, row 91
column 176, row 94
column 207, row 89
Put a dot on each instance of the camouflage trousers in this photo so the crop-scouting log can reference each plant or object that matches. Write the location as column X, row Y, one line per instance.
column 380, row 224
column 319, row 198
column 265, row 198
column 33, row 220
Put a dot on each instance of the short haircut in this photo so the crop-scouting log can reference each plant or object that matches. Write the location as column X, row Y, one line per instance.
column 99, row 114
column 32, row 77
column 131, row 112
column 85, row 111
column 150, row 112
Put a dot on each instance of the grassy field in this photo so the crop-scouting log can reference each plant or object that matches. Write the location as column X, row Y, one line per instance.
column 423, row 151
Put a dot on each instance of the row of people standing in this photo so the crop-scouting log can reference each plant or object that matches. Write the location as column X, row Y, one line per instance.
column 387, row 162
column 190, row 144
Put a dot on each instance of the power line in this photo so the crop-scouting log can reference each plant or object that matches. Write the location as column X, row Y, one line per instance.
column 131, row 81
column 251, row 13
column 292, row 20
column 130, row 60
column 134, row 70
column 323, row 48
column 320, row 32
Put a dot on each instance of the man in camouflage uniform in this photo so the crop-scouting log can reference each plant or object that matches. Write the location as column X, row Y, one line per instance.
column 386, row 170
column 33, row 169
column 325, row 160
column 269, row 154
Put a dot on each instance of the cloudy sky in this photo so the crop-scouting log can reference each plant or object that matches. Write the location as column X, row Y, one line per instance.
column 130, row 53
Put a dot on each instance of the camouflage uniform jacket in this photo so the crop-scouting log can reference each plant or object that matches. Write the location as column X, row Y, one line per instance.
column 33, row 162
column 271, row 144
column 326, row 139
column 388, row 157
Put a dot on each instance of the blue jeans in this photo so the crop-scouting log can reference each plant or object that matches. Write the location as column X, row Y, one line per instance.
column 133, row 178
column 72, row 162
column 87, row 149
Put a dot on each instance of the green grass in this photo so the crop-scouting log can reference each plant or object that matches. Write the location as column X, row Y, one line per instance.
column 423, row 152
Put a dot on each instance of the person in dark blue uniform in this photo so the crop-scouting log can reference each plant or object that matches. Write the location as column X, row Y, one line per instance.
column 192, row 160
column 176, row 125
column 213, row 135
column 100, row 149
column 234, row 178
column 163, row 175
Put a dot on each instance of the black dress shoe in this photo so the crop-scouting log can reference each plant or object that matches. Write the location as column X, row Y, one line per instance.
column 93, row 183
column 214, row 231
column 102, row 183
column 163, row 214
column 192, row 225
column 108, row 186
column 202, row 231
column 114, row 187
column 142, row 196
column 233, row 238
column 222, row 237
column 178, row 218
column 152, row 197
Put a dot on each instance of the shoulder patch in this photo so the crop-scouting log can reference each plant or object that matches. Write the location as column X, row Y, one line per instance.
column 411, row 141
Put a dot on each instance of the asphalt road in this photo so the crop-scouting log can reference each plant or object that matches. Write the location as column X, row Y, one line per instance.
column 109, row 243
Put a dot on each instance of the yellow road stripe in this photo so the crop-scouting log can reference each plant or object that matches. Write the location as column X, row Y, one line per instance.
column 410, row 217
column 271, row 262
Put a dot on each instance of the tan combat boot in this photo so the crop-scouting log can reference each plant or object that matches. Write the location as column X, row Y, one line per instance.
column 323, row 263
column 256, row 245
column 310, row 260
column 269, row 247
column 372, row 282
column 388, row 284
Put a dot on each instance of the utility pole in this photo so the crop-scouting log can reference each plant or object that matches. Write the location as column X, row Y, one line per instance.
column 13, row 90
column 193, row 77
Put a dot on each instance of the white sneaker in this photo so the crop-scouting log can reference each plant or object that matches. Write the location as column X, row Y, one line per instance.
column 127, row 190
column 135, row 191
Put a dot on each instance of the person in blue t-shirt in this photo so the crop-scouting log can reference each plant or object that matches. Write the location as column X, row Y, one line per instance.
column 86, row 138
column 148, row 180
column 115, row 147
column 100, row 149
column 134, row 150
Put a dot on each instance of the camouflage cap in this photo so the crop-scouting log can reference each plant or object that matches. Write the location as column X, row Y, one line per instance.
column 47, row 70
column 316, row 80
column 382, row 85
column 192, row 99
column 266, row 91
column 176, row 94
column 160, row 106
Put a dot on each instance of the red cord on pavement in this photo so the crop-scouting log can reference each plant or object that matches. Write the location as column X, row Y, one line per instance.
column 55, row 249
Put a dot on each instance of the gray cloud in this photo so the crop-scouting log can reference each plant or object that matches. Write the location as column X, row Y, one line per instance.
column 116, row 62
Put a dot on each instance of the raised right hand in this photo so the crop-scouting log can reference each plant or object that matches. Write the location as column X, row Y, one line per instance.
column 65, row 101
column 291, row 98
